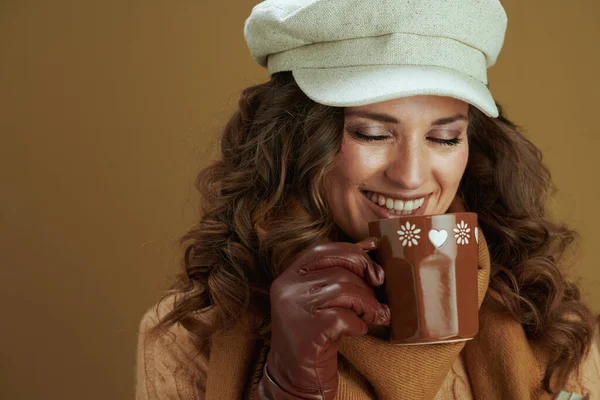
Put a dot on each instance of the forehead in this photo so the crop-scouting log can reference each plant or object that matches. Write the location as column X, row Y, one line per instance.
column 414, row 107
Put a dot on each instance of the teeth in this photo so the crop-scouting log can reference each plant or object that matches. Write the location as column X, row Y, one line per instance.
column 397, row 206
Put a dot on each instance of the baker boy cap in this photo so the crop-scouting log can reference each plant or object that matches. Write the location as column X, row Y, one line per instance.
column 355, row 52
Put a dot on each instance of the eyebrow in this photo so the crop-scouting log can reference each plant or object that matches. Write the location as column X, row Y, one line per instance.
column 390, row 119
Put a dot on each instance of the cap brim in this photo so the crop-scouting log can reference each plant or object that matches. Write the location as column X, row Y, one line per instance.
column 360, row 85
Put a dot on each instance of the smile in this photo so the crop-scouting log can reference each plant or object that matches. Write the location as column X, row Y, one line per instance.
column 395, row 206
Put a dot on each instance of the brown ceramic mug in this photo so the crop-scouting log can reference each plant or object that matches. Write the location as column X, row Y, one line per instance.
column 430, row 264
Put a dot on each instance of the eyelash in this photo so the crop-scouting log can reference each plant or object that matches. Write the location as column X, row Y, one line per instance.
column 443, row 142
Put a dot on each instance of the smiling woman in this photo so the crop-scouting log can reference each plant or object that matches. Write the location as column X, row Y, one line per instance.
column 410, row 152
column 278, row 301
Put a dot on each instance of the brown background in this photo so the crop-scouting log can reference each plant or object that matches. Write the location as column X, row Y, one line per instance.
column 108, row 109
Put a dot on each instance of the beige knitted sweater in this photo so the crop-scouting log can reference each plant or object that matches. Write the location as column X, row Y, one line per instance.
column 166, row 369
column 499, row 364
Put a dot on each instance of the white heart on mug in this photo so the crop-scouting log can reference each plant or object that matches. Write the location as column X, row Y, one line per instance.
column 438, row 238
column 476, row 235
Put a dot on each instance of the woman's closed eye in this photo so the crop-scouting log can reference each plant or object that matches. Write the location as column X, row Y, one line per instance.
column 369, row 138
column 446, row 142
column 374, row 138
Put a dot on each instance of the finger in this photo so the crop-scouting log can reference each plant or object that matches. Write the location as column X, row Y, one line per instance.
column 346, row 255
column 380, row 274
column 356, row 298
column 386, row 319
column 329, row 281
column 377, row 275
column 374, row 274
column 343, row 322
column 371, row 313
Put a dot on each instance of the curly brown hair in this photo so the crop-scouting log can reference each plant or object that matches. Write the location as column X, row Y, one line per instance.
column 263, row 204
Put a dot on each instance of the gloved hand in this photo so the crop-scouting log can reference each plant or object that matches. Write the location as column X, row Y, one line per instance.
column 325, row 294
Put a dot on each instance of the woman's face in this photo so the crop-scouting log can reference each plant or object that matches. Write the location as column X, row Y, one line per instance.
column 398, row 157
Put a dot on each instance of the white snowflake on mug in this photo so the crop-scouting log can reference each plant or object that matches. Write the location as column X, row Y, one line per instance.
column 409, row 235
column 462, row 233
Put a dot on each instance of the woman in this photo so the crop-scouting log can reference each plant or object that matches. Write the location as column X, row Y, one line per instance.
column 386, row 108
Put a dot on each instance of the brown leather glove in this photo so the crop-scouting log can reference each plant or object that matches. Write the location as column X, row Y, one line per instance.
column 321, row 297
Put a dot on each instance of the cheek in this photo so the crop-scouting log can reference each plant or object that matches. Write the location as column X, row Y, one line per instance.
column 450, row 168
column 356, row 163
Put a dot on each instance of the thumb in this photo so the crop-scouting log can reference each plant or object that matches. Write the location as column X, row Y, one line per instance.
column 370, row 243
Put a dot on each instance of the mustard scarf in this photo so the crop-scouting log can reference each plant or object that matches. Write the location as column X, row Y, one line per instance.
column 500, row 362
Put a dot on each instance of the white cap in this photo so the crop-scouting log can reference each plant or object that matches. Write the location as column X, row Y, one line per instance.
column 355, row 52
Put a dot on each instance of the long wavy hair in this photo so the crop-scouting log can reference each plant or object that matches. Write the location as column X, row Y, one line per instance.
column 263, row 204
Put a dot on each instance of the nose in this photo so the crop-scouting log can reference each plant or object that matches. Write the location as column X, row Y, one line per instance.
column 408, row 165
